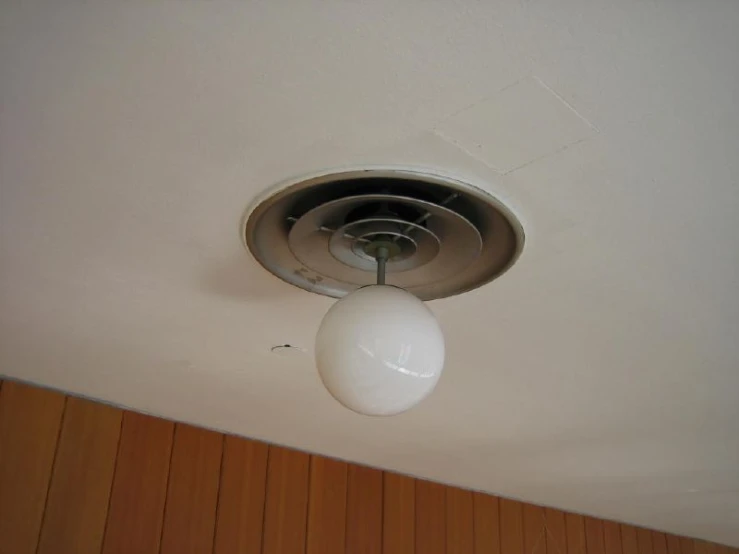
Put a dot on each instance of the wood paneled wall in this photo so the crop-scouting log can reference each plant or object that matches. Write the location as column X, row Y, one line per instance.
column 78, row 477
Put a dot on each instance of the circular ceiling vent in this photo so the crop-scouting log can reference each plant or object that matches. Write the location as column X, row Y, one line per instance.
column 444, row 237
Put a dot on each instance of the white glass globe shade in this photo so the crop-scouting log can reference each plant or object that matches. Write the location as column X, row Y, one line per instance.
column 379, row 350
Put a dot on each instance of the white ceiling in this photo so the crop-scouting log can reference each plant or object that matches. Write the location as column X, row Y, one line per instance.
column 600, row 374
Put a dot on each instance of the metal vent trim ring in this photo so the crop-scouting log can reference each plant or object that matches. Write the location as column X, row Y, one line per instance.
column 451, row 236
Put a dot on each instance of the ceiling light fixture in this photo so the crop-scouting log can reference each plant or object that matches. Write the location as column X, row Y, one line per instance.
column 382, row 240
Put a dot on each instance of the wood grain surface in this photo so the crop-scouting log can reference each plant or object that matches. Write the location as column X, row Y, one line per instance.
column 575, row 526
column 556, row 531
column 487, row 524
column 81, row 477
column 364, row 499
column 30, row 419
column 399, row 515
column 139, row 489
column 534, row 530
column 511, row 527
column 612, row 537
column 241, row 496
column 327, row 506
column 77, row 506
column 594, row 536
column 286, row 507
column 460, row 521
column 192, row 491
column 629, row 542
column 430, row 517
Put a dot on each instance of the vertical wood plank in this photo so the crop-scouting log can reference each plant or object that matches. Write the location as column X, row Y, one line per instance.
column 659, row 543
column 612, row 537
column 327, row 506
column 701, row 547
column 575, row 525
column 399, row 514
column 644, row 540
column 556, row 531
column 77, row 507
column 139, row 486
column 673, row 544
column 286, row 505
column 430, row 517
column 30, row 419
column 192, row 491
column 628, row 540
column 241, row 496
column 364, row 510
column 511, row 526
column 460, row 529
column 487, row 524
column 594, row 536
column 687, row 546
column 534, row 531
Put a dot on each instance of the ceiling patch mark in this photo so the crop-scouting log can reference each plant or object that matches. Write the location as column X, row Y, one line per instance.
column 486, row 98
column 566, row 103
column 517, row 125
column 565, row 147
column 460, row 147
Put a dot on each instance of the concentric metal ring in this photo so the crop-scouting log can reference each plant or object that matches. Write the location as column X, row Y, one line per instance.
column 451, row 242
column 450, row 236
column 351, row 243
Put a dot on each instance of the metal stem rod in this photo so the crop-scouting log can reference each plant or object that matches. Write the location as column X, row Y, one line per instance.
column 381, row 257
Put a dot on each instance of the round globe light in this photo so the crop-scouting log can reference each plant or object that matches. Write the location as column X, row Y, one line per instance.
column 379, row 350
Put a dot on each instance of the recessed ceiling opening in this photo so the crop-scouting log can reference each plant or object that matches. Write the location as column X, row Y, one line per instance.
column 445, row 237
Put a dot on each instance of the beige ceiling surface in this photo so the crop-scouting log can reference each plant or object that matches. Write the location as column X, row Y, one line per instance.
column 600, row 374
